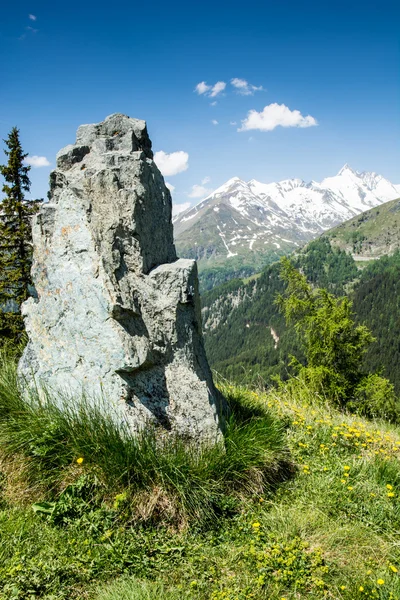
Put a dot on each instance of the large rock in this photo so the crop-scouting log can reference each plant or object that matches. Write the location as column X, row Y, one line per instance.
column 116, row 313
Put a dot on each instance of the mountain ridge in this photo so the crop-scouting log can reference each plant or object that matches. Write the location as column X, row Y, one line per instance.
column 249, row 224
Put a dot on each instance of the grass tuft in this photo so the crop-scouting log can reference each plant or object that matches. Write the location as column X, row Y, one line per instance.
column 164, row 479
column 131, row 589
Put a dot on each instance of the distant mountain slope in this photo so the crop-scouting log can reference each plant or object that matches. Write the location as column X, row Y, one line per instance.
column 242, row 225
column 245, row 335
column 372, row 234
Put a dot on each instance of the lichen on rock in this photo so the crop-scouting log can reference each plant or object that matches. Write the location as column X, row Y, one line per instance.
column 116, row 313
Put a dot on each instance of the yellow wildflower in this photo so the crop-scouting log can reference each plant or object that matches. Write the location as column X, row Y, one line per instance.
column 346, row 468
column 79, row 460
column 391, row 494
column 361, row 589
column 380, row 581
column 393, row 568
column 389, row 487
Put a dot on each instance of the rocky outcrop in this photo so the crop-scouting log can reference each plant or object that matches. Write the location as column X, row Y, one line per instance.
column 116, row 313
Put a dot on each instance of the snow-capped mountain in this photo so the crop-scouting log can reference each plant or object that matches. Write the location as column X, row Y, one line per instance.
column 256, row 221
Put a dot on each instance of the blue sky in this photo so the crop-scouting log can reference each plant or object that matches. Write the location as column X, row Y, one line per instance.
column 336, row 63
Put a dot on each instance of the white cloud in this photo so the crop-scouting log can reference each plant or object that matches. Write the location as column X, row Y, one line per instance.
column 31, row 29
column 213, row 103
column 178, row 208
column 210, row 90
column 170, row 186
column 37, row 161
column 199, row 191
column 275, row 115
column 233, row 123
column 206, row 180
column 214, row 122
column 173, row 163
column 202, row 88
column 244, row 88
column 217, row 88
column 32, row 17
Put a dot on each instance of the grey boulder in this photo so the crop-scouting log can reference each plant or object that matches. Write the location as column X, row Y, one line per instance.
column 116, row 314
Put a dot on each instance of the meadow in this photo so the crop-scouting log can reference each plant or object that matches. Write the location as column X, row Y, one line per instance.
column 302, row 501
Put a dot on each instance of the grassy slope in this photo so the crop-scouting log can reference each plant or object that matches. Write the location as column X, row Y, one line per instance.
column 329, row 532
column 371, row 234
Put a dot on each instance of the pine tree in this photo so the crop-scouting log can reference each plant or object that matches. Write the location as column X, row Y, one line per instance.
column 334, row 344
column 15, row 238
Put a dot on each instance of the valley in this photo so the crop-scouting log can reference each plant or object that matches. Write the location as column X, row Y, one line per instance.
column 238, row 316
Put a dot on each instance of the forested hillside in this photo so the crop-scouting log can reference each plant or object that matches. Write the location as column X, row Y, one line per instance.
column 247, row 338
column 376, row 299
column 242, row 322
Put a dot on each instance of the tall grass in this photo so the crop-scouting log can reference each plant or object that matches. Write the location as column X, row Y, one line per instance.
column 130, row 589
column 163, row 478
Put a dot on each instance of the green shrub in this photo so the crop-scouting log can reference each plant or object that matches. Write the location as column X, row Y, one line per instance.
column 375, row 397
column 321, row 381
column 334, row 346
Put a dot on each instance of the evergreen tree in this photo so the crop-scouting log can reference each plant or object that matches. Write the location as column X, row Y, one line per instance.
column 334, row 344
column 15, row 238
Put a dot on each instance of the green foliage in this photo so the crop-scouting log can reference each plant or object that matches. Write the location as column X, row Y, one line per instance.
column 333, row 343
column 375, row 397
column 15, row 238
column 211, row 277
column 334, row 346
column 291, row 564
column 240, row 316
column 327, row 267
column 239, row 342
column 376, row 298
column 241, row 346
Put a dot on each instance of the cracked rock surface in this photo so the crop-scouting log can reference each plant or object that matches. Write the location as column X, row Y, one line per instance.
column 116, row 313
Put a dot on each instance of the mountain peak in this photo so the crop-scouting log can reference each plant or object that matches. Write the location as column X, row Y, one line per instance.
column 256, row 222
column 346, row 169
column 234, row 181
